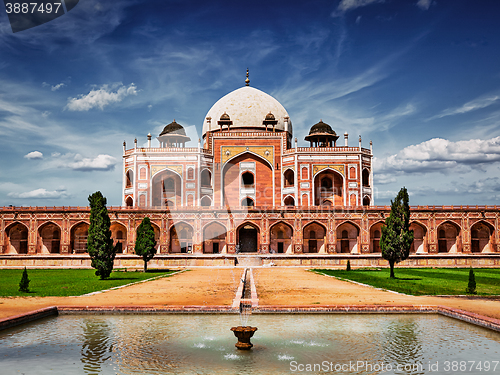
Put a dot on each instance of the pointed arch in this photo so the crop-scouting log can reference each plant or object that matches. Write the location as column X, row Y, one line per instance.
column 448, row 233
column 482, row 237
column 329, row 184
column 375, row 234
column 281, row 235
column 49, row 238
column 206, row 201
column 289, row 200
column 233, row 189
column 119, row 235
column 79, row 233
column 167, row 185
column 248, row 237
column 419, row 244
column 348, row 237
column 314, row 236
column 17, row 238
column 288, row 178
column 214, row 238
column 181, row 237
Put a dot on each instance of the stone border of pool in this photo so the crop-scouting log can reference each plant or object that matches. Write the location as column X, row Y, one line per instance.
column 476, row 319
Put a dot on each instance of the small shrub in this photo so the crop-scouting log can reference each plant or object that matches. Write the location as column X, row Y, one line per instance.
column 471, row 287
column 25, row 282
column 348, row 267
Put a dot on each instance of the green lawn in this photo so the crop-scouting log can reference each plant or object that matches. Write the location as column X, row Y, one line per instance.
column 68, row 282
column 424, row 281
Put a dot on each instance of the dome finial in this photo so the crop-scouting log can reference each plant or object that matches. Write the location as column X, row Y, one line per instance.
column 247, row 81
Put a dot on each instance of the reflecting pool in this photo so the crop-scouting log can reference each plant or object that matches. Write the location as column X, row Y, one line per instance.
column 283, row 344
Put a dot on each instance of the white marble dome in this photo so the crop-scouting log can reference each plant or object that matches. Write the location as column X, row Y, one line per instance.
column 247, row 107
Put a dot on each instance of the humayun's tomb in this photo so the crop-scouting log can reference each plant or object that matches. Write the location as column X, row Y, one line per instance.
column 247, row 188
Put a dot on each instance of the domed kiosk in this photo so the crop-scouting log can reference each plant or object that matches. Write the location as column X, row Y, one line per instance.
column 173, row 135
column 322, row 135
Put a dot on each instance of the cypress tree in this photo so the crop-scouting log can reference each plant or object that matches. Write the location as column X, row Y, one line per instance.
column 471, row 287
column 145, row 242
column 348, row 267
column 25, row 282
column 396, row 238
column 99, row 242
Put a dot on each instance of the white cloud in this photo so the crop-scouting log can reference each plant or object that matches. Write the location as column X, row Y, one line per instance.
column 347, row 5
column 34, row 155
column 441, row 155
column 40, row 194
column 58, row 86
column 473, row 105
column 99, row 163
column 424, row 4
column 101, row 97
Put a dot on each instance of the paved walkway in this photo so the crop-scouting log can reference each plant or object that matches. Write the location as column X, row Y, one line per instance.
column 275, row 286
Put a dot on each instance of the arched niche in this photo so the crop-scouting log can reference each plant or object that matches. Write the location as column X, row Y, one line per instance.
column 482, row 237
column 79, row 234
column 214, row 238
column 247, row 202
column 328, row 186
column 289, row 201
column 49, row 239
column 167, row 187
column 129, row 178
column 288, row 178
column 119, row 236
column 448, row 237
column 419, row 244
column 237, row 180
column 17, row 239
column 348, row 238
column 366, row 178
column 375, row 234
column 206, row 201
column 281, row 235
column 206, row 178
column 181, row 238
column 129, row 202
column 314, row 238
column 247, row 237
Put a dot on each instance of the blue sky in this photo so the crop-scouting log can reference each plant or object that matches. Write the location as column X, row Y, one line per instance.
column 420, row 78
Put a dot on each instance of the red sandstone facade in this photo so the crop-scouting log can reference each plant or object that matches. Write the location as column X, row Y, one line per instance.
column 247, row 187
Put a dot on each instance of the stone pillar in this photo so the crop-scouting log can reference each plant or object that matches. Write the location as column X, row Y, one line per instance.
column 198, row 238
column 265, row 236
column 3, row 237
column 331, row 235
column 65, row 235
column 298, row 243
column 432, row 240
column 32, row 235
column 497, row 232
column 231, row 235
column 465, row 234
column 365, row 234
column 164, row 235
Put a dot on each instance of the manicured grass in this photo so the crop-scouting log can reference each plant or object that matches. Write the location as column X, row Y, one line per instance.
column 68, row 282
column 425, row 281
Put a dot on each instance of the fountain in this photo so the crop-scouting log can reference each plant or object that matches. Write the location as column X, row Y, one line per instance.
column 243, row 332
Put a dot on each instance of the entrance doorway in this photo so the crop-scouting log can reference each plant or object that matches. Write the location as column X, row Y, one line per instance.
column 280, row 247
column 248, row 239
